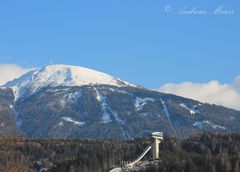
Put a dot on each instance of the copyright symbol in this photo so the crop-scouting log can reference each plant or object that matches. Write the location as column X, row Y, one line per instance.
column 168, row 8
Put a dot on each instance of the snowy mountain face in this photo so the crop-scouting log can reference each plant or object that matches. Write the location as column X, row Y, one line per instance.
column 61, row 101
column 61, row 75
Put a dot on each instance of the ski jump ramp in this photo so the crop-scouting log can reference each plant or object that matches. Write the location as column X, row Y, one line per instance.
column 140, row 157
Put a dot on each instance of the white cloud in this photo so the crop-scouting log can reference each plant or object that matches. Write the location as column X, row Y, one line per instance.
column 9, row 72
column 227, row 95
column 236, row 84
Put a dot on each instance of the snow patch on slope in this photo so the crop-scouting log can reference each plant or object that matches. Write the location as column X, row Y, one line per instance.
column 144, row 114
column 107, row 111
column 118, row 91
column 192, row 111
column 56, row 90
column 2, row 124
column 66, row 95
column 60, row 124
column 165, row 110
column 102, row 100
column 69, row 119
column 72, row 96
column 206, row 123
column 126, row 133
column 141, row 102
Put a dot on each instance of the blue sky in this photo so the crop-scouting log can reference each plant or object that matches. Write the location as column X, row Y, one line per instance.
column 137, row 40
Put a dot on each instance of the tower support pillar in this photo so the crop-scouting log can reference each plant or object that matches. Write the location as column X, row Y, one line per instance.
column 155, row 149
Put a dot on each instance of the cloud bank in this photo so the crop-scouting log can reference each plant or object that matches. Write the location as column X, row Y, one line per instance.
column 213, row 92
column 9, row 72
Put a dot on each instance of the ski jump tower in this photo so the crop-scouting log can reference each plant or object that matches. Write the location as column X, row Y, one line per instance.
column 157, row 138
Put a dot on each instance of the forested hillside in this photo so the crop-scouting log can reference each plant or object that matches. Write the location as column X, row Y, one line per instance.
column 210, row 152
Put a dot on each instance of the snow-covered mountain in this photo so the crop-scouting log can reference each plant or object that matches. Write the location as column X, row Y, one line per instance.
column 61, row 101
column 61, row 75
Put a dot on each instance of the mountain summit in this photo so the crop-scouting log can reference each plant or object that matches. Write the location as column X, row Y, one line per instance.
column 61, row 101
column 61, row 75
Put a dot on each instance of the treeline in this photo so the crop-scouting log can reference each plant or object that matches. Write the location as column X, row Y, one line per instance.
column 208, row 152
column 23, row 155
